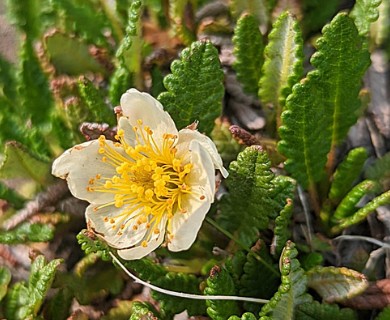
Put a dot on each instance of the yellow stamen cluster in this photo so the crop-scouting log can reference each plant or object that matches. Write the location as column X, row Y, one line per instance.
column 150, row 179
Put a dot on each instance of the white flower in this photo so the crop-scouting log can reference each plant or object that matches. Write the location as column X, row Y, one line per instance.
column 155, row 185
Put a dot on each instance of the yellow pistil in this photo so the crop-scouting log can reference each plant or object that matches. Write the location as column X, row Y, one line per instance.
column 150, row 179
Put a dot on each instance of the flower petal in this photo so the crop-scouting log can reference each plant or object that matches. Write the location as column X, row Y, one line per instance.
column 187, row 135
column 185, row 227
column 79, row 165
column 100, row 221
column 124, row 123
column 140, row 251
column 139, row 105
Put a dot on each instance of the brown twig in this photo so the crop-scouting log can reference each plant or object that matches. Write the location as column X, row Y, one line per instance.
column 43, row 200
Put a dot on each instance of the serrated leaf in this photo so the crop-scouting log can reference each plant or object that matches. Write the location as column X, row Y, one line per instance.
column 364, row 13
column 220, row 283
column 348, row 205
column 336, row 284
column 346, row 173
column 5, row 278
column 248, row 50
column 245, row 316
column 21, row 167
column 87, row 20
column 177, row 15
column 90, row 244
column 246, row 209
column 323, row 311
column 27, row 232
column 33, row 87
column 323, row 106
column 361, row 214
column 144, row 311
column 59, row 45
column 94, row 100
column 195, row 88
column 256, row 280
column 283, row 65
column 23, row 301
column 292, row 290
column 282, row 232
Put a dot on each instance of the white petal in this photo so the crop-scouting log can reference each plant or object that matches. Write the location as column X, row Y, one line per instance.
column 139, row 251
column 185, row 227
column 124, row 123
column 202, row 174
column 78, row 165
column 139, row 105
column 126, row 237
column 187, row 135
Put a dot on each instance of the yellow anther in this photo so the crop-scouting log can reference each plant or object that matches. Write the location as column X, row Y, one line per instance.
column 112, row 220
column 147, row 209
column 98, row 176
column 149, row 193
column 202, row 197
column 144, row 244
column 108, row 184
column 156, row 231
column 104, row 159
column 140, row 122
column 176, row 162
column 122, row 226
column 89, row 189
column 91, row 181
column 101, row 150
column 118, row 203
column 105, row 219
column 144, row 219
column 121, row 133
column 135, row 227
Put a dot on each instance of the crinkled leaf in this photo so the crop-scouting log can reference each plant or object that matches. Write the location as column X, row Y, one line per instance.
column 245, row 316
column 283, row 65
column 379, row 30
column 220, row 283
column 348, row 205
column 33, row 87
column 144, row 311
column 246, row 209
column 292, row 290
column 195, row 87
column 282, row 232
column 284, row 188
column 324, row 105
column 257, row 281
column 24, row 170
column 59, row 45
column 59, row 305
column 5, row 278
column 336, row 284
column 361, row 214
column 90, row 243
column 178, row 11
column 121, row 311
column 23, row 301
column 27, row 232
column 347, row 173
column 94, row 100
column 323, row 311
column 248, row 50
column 364, row 13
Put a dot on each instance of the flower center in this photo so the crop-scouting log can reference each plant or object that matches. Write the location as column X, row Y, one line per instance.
column 150, row 179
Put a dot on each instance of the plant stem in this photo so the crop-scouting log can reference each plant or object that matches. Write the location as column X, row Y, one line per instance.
column 242, row 245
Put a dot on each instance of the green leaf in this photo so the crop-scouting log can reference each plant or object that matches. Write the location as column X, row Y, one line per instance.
column 59, row 305
column 144, row 311
column 59, row 45
column 177, row 15
column 248, row 50
column 27, row 232
column 379, row 30
column 195, row 87
column 364, row 13
column 33, row 87
column 259, row 8
column 93, row 98
column 323, row 106
column 283, row 65
column 245, row 316
column 348, row 205
column 23, row 301
column 120, row 81
column 336, row 284
column 347, row 173
column 11, row 196
column 5, row 278
column 380, row 170
column 91, row 244
column 21, row 167
column 257, row 281
column 179, row 282
column 122, row 311
column 292, row 290
column 361, row 214
column 316, row 13
column 87, row 20
column 323, row 311
column 282, row 232
column 384, row 315
column 220, row 283
column 246, row 209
